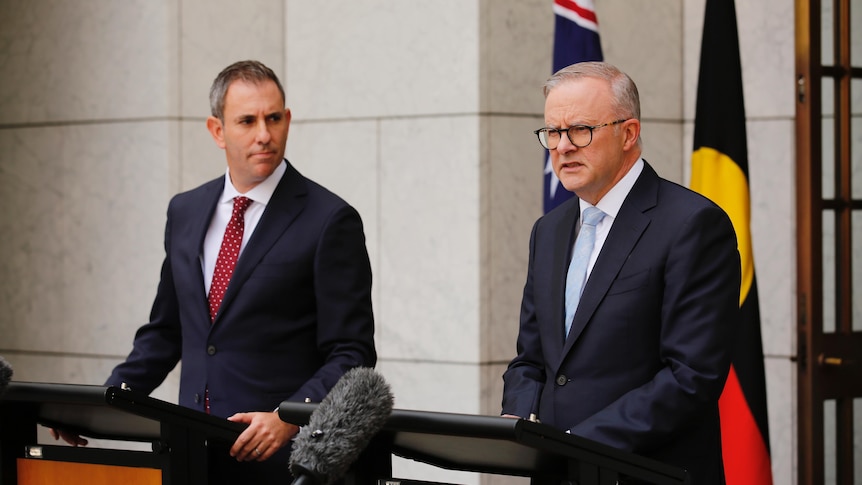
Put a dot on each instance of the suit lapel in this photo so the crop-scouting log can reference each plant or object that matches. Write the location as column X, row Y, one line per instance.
column 562, row 252
column 287, row 202
column 192, row 243
column 628, row 227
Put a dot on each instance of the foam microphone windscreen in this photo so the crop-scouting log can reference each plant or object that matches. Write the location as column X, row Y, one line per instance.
column 5, row 374
column 341, row 427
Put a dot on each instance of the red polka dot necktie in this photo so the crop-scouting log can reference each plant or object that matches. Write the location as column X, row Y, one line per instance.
column 228, row 254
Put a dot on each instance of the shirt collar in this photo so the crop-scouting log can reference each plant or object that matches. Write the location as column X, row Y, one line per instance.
column 611, row 203
column 261, row 192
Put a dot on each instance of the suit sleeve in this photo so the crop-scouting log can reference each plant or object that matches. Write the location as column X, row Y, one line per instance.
column 699, row 311
column 342, row 286
column 524, row 379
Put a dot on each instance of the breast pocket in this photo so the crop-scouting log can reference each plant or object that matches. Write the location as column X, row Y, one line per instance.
column 629, row 282
column 279, row 271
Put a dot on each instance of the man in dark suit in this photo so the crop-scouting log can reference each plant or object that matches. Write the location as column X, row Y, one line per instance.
column 637, row 355
column 296, row 313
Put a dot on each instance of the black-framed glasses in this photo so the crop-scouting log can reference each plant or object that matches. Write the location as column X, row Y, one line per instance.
column 580, row 135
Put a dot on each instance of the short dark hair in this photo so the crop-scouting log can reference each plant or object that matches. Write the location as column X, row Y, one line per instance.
column 254, row 72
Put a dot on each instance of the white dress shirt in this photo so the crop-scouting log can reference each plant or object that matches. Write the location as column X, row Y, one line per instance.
column 610, row 204
column 260, row 195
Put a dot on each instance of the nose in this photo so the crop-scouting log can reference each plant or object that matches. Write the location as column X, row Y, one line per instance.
column 565, row 145
column 263, row 136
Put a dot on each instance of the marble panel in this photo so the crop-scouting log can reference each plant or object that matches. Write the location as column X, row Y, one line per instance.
column 771, row 162
column 767, row 53
column 512, row 178
column 383, row 58
column 31, row 246
column 767, row 45
column 66, row 369
column 693, row 12
column 97, row 60
column 429, row 239
column 201, row 160
column 661, row 148
column 781, row 406
column 217, row 33
column 650, row 54
column 86, row 261
column 516, row 49
column 433, row 386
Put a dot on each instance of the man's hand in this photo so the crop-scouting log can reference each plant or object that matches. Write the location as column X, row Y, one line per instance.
column 266, row 434
column 70, row 438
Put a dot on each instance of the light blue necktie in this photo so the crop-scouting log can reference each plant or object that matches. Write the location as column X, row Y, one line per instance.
column 580, row 260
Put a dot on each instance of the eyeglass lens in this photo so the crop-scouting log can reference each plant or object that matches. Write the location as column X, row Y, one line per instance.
column 580, row 136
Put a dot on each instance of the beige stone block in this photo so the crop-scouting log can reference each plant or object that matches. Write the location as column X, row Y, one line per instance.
column 96, row 60
column 362, row 58
column 87, row 258
column 217, row 33
column 429, row 239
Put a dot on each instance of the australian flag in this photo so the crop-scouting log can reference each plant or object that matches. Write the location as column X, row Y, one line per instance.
column 576, row 39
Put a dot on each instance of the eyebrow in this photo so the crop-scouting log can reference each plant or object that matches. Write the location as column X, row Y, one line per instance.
column 248, row 116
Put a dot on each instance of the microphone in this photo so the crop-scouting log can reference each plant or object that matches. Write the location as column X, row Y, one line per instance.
column 341, row 427
column 5, row 374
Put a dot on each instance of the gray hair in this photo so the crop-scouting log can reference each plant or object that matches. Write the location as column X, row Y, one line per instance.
column 253, row 72
column 626, row 103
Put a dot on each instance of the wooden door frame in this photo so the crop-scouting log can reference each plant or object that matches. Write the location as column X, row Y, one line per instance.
column 827, row 363
column 808, row 190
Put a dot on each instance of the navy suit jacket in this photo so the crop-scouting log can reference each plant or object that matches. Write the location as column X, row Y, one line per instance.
column 650, row 345
column 296, row 315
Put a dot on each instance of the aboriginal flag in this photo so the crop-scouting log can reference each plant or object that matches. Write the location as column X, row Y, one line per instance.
column 720, row 172
column 576, row 39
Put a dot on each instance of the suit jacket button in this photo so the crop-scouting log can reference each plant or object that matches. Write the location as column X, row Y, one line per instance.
column 562, row 380
column 211, row 350
column 197, row 398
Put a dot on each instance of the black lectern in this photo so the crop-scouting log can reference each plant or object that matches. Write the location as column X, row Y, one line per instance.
column 178, row 436
column 490, row 444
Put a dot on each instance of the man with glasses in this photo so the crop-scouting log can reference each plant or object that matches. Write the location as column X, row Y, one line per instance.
column 632, row 289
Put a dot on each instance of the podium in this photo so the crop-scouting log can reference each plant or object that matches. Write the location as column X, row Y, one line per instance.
column 495, row 445
column 178, row 436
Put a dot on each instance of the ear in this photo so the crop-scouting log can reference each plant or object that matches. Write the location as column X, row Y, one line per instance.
column 216, row 129
column 632, row 131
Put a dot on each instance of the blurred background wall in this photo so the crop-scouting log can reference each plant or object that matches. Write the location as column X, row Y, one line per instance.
column 420, row 114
